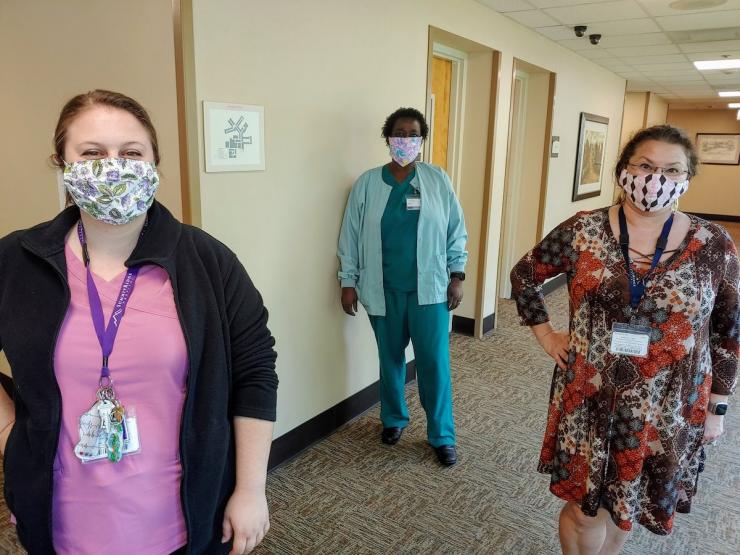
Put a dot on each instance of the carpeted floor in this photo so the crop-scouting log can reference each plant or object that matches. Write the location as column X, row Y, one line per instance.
column 350, row 494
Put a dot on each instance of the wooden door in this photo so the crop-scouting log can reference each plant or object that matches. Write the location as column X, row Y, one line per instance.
column 441, row 86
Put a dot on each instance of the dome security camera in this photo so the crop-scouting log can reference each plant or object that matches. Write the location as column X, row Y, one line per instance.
column 580, row 30
column 595, row 39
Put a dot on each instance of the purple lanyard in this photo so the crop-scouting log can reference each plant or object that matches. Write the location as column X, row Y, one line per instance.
column 106, row 336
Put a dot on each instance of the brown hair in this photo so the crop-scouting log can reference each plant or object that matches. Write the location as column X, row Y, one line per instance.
column 75, row 106
column 666, row 134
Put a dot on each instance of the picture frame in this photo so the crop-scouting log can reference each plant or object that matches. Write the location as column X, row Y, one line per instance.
column 233, row 137
column 718, row 148
column 591, row 149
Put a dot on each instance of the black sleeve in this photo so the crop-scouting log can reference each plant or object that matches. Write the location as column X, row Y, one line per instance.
column 253, row 380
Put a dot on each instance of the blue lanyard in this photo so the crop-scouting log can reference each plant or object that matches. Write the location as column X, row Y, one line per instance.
column 637, row 286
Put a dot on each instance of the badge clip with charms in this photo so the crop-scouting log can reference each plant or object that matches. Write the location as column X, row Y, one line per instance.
column 107, row 430
column 413, row 202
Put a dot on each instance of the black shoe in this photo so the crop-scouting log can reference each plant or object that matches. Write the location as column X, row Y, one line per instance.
column 447, row 454
column 390, row 436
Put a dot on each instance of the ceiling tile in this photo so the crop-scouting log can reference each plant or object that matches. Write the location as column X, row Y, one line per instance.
column 673, row 79
column 596, row 54
column 722, row 78
column 686, row 66
column 577, row 44
column 712, row 20
column 662, row 7
column 627, row 40
column 532, row 18
column 558, row 3
column 625, row 27
column 647, row 59
column 674, row 72
column 602, row 11
column 727, row 54
column 654, row 50
column 507, row 5
column 716, row 46
column 616, row 68
column 634, row 86
column 556, row 32
column 633, row 75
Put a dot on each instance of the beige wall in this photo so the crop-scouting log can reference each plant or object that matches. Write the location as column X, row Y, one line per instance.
column 641, row 109
column 50, row 51
column 657, row 110
column 328, row 73
column 633, row 118
column 715, row 189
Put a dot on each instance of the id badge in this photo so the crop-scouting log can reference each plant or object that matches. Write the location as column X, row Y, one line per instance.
column 96, row 436
column 630, row 340
column 413, row 202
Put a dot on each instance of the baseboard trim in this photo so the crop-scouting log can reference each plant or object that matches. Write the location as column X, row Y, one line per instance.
column 720, row 217
column 466, row 326
column 554, row 284
column 317, row 428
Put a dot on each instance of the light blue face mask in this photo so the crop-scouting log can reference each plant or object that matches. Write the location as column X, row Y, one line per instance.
column 112, row 190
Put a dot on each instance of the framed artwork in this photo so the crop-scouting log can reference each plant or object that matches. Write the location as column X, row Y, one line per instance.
column 719, row 148
column 234, row 137
column 590, row 156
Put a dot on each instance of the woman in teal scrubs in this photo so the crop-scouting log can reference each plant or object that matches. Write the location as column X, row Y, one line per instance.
column 402, row 254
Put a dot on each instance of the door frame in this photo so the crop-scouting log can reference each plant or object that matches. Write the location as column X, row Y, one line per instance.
column 506, row 234
column 514, row 165
column 458, row 90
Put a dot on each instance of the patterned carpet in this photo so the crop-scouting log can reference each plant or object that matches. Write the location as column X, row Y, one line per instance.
column 350, row 494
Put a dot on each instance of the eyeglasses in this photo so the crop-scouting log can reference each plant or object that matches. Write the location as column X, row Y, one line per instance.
column 673, row 173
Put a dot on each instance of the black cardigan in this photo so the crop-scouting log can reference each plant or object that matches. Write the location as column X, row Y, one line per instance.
column 231, row 366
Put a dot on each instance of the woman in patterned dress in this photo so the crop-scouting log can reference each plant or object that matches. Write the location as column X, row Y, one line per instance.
column 624, row 435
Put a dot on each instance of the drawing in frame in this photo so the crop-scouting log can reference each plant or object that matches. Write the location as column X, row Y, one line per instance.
column 234, row 137
column 718, row 148
column 589, row 173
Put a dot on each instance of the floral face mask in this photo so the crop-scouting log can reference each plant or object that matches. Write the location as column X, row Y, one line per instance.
column 112, row 190
column 404, row 150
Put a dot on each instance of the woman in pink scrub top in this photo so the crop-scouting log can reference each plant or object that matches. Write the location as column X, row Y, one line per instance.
column 139, row 417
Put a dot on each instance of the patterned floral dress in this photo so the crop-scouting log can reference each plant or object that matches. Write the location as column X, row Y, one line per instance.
column 625, row 433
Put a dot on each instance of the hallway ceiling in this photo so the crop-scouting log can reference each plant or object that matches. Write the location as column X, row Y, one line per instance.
column 651, row 43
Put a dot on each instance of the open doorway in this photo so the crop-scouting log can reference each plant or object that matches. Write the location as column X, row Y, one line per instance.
column 527, row 164
column 462, row 78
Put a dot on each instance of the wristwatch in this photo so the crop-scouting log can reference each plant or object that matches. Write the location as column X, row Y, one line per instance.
column 458, row 275
column 720, row 409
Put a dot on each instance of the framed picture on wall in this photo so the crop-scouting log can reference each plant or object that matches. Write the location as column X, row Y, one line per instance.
column 590, row 156
column 234, row 137
column 719, row 148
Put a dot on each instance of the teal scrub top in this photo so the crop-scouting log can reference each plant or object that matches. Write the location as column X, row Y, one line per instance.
column 398, row 231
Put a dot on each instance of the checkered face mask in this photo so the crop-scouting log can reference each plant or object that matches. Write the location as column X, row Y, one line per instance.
column 652, row 192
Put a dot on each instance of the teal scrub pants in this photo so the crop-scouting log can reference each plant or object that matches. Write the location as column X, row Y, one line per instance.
column 428, row 328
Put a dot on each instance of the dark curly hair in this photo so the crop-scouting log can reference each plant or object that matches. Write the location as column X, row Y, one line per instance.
column 405, row 113
column 666, row 134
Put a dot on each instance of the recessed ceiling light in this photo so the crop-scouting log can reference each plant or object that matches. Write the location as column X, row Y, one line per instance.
column 695, row 4
column 717, row 64
column 734, row 105
column 729, row 94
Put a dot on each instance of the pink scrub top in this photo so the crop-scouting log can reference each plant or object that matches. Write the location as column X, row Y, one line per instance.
column 132, row 506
